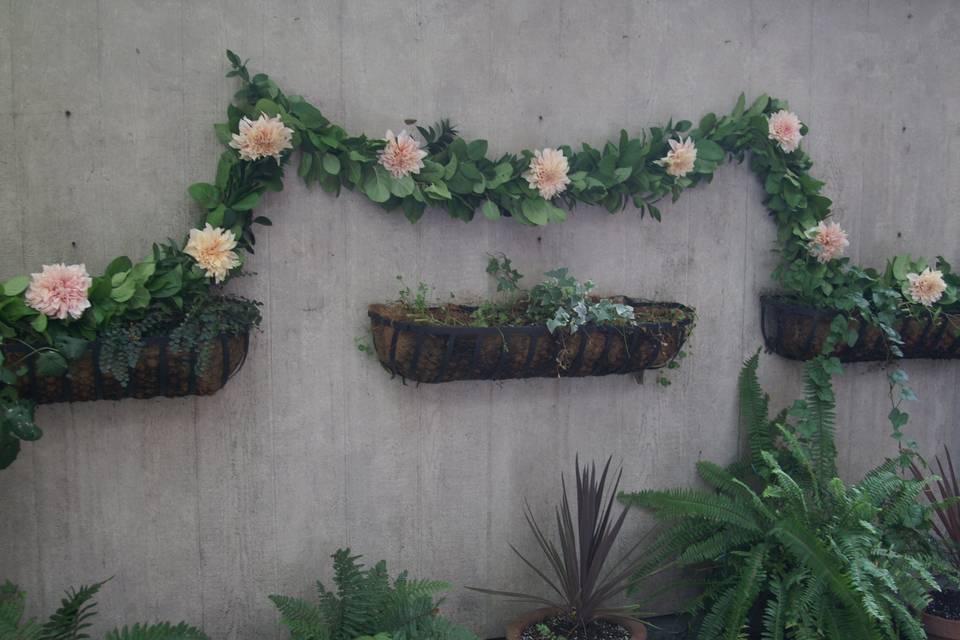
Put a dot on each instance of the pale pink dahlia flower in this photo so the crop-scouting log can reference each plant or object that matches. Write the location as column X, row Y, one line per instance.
column 262, row 138
column 827, row 241
column 785, row 129
column 681, row 157
column 926, row 287
column 60, row 290
column 402, row 155
column 548, row 173
column 212, row 248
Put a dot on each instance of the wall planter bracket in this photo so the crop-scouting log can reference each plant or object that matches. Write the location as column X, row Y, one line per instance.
column 798, row 332
column 435, row 353
column 160, row 371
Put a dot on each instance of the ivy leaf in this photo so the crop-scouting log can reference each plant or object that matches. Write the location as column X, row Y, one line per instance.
column 438, row 190
column 51, row 363
column 72, row 348
column 477, row 150
column 39, row 323
column 490, row 210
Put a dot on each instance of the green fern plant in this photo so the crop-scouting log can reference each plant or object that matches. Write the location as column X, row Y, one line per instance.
column 72, row 618
column 365, row 603
column 781, row 547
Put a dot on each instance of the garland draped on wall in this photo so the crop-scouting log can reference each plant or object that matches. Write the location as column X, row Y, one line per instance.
column 59, row 311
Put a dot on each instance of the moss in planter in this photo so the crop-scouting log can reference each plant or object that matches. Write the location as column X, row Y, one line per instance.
column 562, row 627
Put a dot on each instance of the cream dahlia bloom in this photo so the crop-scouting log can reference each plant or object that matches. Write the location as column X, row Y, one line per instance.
column 402, row 155
column 784, row 127
column 548, row 173
column 681, row 157
column 827, row 241
column 926, row 287
column 59, row 290
column 212, row 248
column 262, row 138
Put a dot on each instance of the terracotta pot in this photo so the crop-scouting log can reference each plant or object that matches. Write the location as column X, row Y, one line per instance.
column 638, row 630
column 940, row 628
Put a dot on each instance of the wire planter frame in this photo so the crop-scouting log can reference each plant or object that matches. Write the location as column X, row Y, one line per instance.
column 435, row 353
column 160, row 371
column 798, row 332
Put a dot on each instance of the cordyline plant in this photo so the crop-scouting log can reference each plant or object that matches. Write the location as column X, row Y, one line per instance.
column 946, row 505
column 576, row 574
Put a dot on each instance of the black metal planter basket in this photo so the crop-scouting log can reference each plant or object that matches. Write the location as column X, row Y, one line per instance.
column 435, row 353
column 160, row 371
column 798, row 332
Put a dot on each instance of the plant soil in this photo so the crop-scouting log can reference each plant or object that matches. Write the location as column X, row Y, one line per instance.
column 946, row 604
column 563, row 626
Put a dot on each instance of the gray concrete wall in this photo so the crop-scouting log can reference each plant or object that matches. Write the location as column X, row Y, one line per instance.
column 202, row 507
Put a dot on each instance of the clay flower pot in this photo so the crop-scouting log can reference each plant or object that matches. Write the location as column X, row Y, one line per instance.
column 941, row 628
column 638, row 631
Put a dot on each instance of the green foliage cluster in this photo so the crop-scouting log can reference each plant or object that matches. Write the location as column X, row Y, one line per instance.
column 368, row 604
column 72, row 619
column 561, row 302
column 785, row 549
column 193, row 323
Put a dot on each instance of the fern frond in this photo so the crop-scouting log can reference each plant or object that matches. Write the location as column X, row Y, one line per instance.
column 73, row 616
column 820, row 398
column 751, row 580
column 305, row 620
column 159, row 631
column 754, row 410
column 684, row 503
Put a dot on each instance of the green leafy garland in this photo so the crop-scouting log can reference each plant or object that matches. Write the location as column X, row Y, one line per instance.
column 456, row 176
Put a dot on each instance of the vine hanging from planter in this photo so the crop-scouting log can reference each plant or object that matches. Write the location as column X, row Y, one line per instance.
column 60, row 317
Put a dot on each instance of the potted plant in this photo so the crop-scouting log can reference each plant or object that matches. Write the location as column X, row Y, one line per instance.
column 558, row 328
column 910, row 310
column 782, row 547
column 942, row 618
column 583, row 607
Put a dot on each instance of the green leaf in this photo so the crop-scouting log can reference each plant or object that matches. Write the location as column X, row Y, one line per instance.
column 215, row 217
column 39, row 323
column 118, row 265
column 331, row 164
column 224, row 135
column 247, row 202
column 709, row 150
column 438, row 190
column 51, row 363
column 377, row 184
column 402, row 187
column 72, row 348
column 490, row 210
column 124, row 291
column 477, row 150
column 205, row 194
column 16, row 285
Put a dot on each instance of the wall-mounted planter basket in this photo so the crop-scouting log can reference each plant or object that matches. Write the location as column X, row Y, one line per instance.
column 435, row 353
column 160, row 371
column 798, row 332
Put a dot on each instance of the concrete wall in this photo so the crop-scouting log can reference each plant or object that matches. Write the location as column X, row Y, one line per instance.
column 199, row 508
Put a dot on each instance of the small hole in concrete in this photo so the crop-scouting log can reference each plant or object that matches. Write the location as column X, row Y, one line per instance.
column 67, row 113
